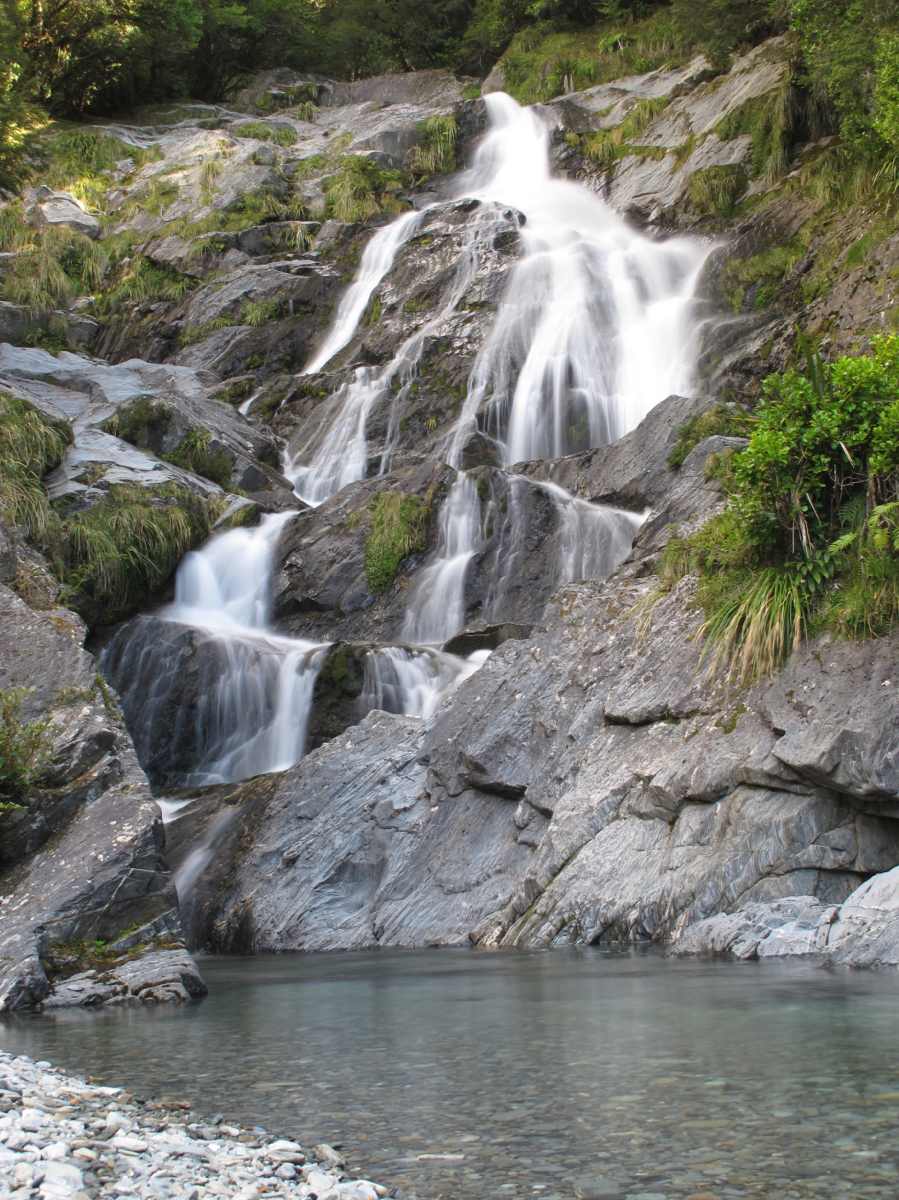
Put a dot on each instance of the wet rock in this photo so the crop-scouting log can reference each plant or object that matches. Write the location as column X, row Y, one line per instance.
column 90, row 803
column 351, row 851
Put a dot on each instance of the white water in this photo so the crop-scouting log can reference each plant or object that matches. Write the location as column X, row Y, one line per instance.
column 596, row 326
column 377, row 260
column 412, row 680
column 593, row 538
column 337, row 454
column 437, row 608
column 255, row 712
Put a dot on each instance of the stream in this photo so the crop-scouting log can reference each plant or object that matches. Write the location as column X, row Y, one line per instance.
column 554, row 1074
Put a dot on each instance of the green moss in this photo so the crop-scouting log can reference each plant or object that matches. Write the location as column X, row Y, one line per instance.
column 724, row 419
column 398, row 529
column 143, row 422
column 763, row 274
column 191, row 334
column 24, row 749
column 260, row 312
column 194, row 454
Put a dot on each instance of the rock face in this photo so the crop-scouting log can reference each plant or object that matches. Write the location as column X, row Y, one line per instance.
column 84, row 882
column 594, row 780
column 60, row 209
column 609, row 788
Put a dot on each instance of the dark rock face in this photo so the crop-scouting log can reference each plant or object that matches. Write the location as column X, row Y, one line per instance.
column 90, row 804
column 352, row 859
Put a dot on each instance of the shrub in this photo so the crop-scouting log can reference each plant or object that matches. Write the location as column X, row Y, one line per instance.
column 30, row 445
column 398, row 529
column 810, row 535
column 111, row 556
column 24, row 750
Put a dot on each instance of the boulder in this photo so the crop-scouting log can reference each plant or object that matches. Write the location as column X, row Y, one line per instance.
column 89, row 803
column 59, row 209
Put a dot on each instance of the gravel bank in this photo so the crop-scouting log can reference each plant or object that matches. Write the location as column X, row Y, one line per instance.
column 62, row 1138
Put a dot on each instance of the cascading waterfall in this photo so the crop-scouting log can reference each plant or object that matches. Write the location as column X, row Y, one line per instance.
column 338, row 454
column 412, row 680
column 376, row 262
column 437, row 608
column 593, row 538
column 251, row 714
column 596, row 326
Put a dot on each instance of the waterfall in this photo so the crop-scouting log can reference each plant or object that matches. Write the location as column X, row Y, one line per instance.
column 411, row 680
column 437, row 607
column 338, row 453
column 595, row 328
column 596, row 325
column 247, row 709
column 593, row 538
column 376, row 262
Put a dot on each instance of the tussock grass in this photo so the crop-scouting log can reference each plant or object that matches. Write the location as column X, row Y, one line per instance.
column 30, row 446
column 398, row 528
column 281, row 135
column 24, row 750
column 436, row 153
column 127, row 546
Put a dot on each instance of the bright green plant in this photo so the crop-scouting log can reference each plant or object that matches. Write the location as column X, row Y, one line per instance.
column 127, row 546
column 281, row 135
column 436, row 152
column 398, row 528
column 360, row 189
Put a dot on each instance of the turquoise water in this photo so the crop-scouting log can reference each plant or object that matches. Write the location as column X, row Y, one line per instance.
column 539, row 1074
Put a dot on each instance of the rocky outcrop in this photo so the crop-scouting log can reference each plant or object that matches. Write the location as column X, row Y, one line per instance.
column 88, row 911
column 54, row 209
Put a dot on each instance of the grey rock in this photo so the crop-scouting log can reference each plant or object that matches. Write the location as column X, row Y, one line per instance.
column 61, row 209
column 91, row 804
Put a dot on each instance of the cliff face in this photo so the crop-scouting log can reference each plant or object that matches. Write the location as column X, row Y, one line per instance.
column 594, row 778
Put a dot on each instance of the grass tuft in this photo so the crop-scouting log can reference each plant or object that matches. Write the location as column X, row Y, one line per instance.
column 398, row 528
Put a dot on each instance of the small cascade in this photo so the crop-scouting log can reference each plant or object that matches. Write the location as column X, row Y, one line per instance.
column 412, row 680
column 436, row 610
column 593, row 538
column 377, row 260
column 338, row 454
column 247, row 710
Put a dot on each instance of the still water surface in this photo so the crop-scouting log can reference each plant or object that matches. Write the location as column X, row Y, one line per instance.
column 544, row 1074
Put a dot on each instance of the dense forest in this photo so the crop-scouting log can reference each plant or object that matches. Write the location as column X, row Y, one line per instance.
column 71, row 58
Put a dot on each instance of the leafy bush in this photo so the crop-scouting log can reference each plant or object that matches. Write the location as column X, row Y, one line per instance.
column 24, row 750
column 811, row 530
column 398, row 529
